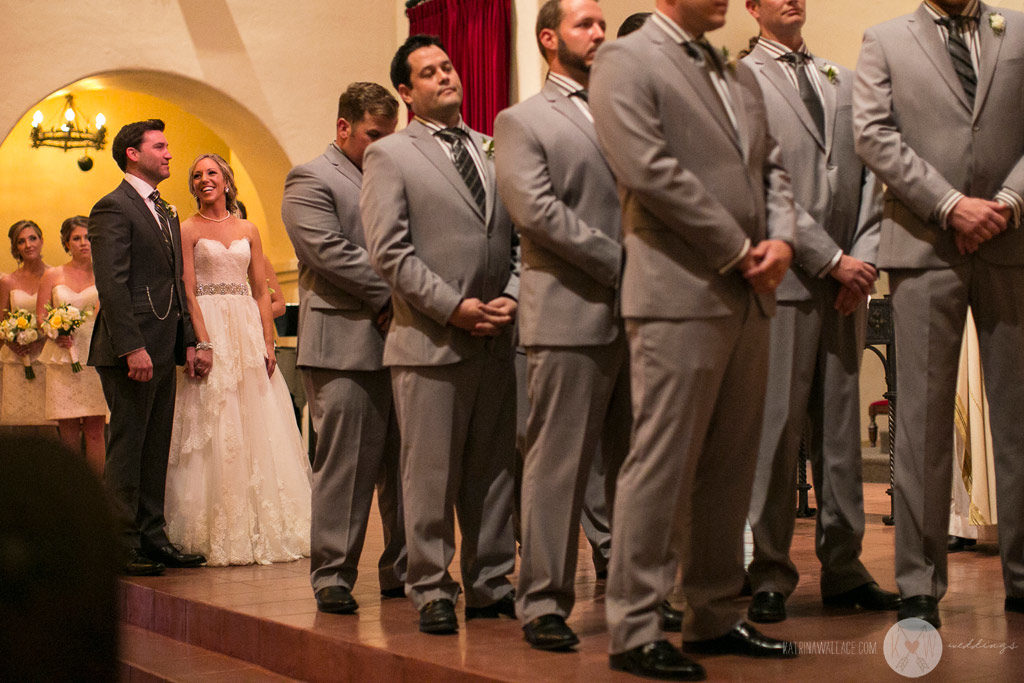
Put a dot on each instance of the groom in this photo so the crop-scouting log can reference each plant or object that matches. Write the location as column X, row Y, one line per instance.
column 142, row 330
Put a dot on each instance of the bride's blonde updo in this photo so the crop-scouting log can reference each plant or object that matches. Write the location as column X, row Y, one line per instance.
column 231, row 192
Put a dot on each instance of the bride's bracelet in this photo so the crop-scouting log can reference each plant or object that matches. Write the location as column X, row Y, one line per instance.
column 204, row 346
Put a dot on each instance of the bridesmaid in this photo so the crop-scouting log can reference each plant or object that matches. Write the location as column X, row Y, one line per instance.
column 74, row 399
column 22, row 400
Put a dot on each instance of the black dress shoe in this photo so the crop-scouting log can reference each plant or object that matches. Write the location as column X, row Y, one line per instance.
column 671, row 618
column 550, row 632
column 958, row 543
column 172, row 556
column 658, row 660
column 767, row 607
column 138, row 564
column 867, row 596
column 1012, row 604
column 397, row 592
column 920, row 607
column 438, row 617
column 335, row 600
column 506, row 606
column 744, row 639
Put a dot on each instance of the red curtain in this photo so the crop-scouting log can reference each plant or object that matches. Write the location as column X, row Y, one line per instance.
column 477, row 34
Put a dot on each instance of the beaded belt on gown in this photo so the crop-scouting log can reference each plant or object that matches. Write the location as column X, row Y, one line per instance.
column 222, row 288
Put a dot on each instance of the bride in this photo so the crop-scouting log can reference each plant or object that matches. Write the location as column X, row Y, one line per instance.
column 238, row 480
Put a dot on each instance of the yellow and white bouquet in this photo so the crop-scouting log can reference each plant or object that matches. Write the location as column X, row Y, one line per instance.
column 62, row 321
column 19, row 327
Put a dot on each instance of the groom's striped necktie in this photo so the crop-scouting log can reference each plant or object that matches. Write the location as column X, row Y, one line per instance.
column 956, row 43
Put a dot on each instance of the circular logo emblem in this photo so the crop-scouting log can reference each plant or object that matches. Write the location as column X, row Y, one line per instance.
column 912, row 647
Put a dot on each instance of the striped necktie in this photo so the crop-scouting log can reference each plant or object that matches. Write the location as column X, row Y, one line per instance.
column 164, row 221
column 464, row 164
column 956, row 43
column 798, row 60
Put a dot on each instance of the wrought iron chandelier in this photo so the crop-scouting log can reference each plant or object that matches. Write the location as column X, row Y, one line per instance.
column 69, row 129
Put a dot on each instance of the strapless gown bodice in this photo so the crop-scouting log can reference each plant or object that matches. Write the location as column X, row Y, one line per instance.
column 222, row 266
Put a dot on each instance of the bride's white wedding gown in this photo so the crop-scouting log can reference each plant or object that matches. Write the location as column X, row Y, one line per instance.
column 238, row 480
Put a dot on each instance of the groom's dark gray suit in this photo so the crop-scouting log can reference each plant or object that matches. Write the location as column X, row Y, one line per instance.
column 340, row 346
column 142, row 305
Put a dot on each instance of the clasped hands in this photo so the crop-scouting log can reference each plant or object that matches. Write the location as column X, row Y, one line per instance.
column 484, row 319
column 977, row 220
column 765, row 264
column 198, row 363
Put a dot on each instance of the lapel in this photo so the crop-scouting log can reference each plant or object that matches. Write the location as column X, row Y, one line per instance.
column 567, row 108
column 739, row 111
column 773, row 74
column 344, row 166
column 927, row 36
column 700, row 82
column 423, row 140
column 489, row 178
column 990, row 45
column 829, row 97
column 145, row 216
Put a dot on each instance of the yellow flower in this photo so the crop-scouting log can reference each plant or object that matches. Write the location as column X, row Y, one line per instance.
column 22, row 322
column 56, row 322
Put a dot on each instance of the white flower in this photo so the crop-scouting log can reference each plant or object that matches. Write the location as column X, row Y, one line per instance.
column 488, row 146
column 830, row 72
column 998, row 22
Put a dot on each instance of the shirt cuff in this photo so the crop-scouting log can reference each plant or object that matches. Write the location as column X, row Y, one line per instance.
column 736, row 259
column 946, row 205
column 831, row 264
column 1012, row 200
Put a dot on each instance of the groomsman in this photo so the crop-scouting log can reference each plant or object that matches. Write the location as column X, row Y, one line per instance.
column 344, row 307
column 563, row 200
column 142, row 330
column 708, row 219
column 937, row 117
column 439, row 235
column 818, row 330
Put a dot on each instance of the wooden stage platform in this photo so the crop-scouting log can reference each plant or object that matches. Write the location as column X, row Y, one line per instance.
column 261, row 624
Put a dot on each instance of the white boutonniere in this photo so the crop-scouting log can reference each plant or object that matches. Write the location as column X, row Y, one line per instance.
column 168, row 208
column 488, row 145
column 997, row 22
column 830, row 72
column 730, row 63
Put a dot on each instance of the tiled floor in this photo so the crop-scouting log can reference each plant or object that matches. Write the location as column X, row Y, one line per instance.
column 266, row 616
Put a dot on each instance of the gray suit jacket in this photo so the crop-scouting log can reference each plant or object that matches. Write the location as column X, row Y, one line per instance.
column 340, row 295
column 915, row 129
column 692, row 190
column 839, row 201
column 430, row 242
column 563, row 200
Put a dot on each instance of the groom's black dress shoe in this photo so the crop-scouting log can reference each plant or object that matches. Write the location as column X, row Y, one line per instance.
column 335, row 600
column 920, row 607
column 550, row 632
column 438, row 617
column 506, row 606
column 658, row 660
column 958, row 543
column 767, row 607
column 138, row 564
column 671, row 618
column 1012, row 604
column 869, row 596
column 172, row 556
column 744, row 639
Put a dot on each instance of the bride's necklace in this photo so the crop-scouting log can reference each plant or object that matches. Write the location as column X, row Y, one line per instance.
column 215, row 220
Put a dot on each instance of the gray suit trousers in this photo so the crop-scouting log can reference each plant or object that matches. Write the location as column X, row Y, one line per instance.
column 812, row 371
column 458, row 439
column 357, row 447
column 929, row 308
column 579, row 410
column 697, row 387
